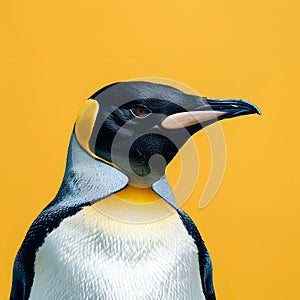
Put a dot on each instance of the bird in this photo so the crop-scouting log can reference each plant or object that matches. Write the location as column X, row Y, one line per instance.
column 114, row 230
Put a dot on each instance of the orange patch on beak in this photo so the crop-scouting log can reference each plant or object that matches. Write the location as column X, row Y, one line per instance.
column 186, row 119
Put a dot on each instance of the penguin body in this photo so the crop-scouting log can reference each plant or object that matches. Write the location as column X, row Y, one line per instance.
column 92, row 256
column 114, row 230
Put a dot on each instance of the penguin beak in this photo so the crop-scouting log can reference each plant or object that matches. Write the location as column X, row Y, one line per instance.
column 209, row 112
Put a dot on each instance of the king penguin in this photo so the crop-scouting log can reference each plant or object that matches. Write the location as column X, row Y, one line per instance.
column 114, row 231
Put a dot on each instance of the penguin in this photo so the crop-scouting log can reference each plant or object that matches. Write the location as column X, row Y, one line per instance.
column 114, row 230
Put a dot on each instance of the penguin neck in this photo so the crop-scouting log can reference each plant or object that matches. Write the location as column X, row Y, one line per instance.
column 96, row 180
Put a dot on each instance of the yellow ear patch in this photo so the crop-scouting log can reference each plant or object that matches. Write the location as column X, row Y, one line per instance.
column 84, row 125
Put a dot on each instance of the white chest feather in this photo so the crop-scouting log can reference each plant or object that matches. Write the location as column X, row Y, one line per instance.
column 93, row 257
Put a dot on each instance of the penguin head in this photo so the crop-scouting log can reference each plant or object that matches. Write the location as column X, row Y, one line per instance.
column 139, row 126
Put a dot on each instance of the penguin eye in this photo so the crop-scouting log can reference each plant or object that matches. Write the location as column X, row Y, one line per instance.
column 140, row 111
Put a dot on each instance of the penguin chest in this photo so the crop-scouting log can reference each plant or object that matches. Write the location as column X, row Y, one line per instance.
column 92, row 256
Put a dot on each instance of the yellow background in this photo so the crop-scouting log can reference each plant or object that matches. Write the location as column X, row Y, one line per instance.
column 56, row 53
